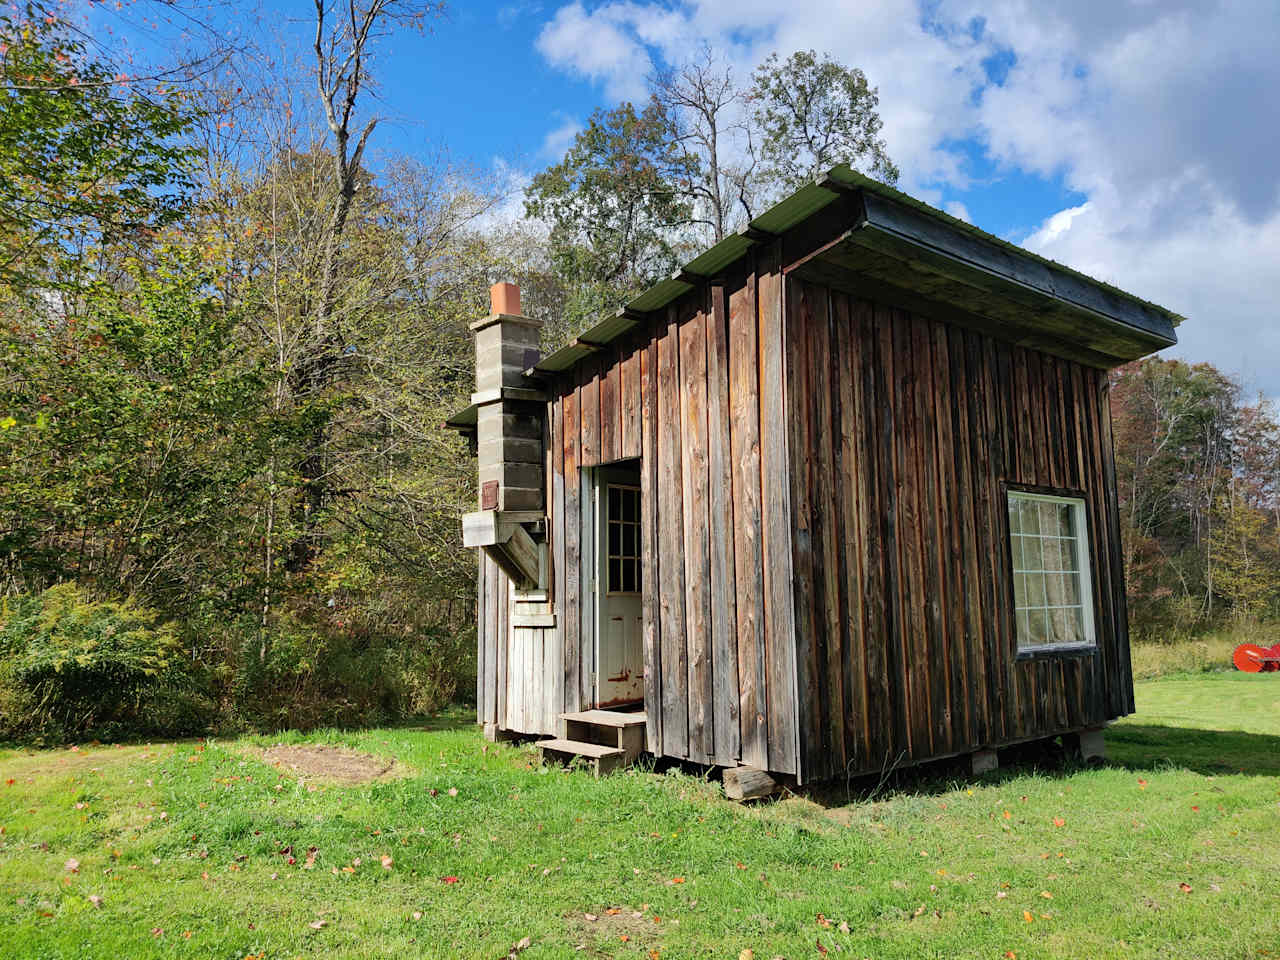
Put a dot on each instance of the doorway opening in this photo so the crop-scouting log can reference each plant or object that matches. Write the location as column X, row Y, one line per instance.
column 616, row 584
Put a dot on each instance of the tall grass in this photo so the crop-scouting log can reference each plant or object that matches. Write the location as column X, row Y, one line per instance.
column 1206, row 654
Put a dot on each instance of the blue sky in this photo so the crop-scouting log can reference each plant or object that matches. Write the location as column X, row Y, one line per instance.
column 1133, row 140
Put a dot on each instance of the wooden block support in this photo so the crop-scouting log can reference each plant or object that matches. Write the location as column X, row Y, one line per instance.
column 1092, row 745
column 748, row 783
column 984, row 761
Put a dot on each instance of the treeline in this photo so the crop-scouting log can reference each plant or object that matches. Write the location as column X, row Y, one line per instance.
column 1199, row 483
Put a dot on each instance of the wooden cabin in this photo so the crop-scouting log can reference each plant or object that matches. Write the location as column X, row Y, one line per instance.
column 836, row 497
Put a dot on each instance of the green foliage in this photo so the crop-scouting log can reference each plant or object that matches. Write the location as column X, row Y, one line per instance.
column 813, row 113
column 615, row 204
column 131, row 431
column 75, row 666
column 84, row 152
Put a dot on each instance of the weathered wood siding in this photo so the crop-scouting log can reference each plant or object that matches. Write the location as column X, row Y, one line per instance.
column 695, row 394
column 904, row 434
column 519, row 668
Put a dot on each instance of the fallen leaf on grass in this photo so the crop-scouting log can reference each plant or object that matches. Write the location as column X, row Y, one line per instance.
column 844, row 926
column 823, row 921
column 1026, row 916
column 318, row 924
column 449, row 879
column 72, row 865
column 387, row 862
column 95, row 900
column 1059, row 822
column 1184, row 887
column 1046, row 894
column 747, row 954
column 157, row 932
column 591, row 917
column 417, row 914
column 821, row 949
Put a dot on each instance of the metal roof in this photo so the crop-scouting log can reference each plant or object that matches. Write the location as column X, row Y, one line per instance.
column 989, row 253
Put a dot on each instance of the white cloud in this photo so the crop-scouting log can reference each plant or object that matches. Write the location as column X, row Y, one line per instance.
column 557, row 140
column 958, row 210
column 1163, row 115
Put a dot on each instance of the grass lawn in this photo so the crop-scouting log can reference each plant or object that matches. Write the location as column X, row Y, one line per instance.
column 182, row 850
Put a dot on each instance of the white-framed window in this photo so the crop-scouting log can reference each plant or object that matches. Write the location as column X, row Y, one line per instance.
column 1052, row 586
column 623, row 519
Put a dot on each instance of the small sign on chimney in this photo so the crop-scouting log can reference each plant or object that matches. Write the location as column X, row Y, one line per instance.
column 489, row 495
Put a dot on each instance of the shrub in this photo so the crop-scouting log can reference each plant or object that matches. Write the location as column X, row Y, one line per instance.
column 72, row 666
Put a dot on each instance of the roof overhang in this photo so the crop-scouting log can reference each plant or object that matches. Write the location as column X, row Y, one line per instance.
column 890, row 247
column 897, row 254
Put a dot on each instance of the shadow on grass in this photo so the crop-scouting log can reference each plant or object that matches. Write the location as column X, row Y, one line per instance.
column 1138, row 746
column 1130, row 746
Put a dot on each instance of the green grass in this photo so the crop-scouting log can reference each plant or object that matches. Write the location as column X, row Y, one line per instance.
column 185, row 840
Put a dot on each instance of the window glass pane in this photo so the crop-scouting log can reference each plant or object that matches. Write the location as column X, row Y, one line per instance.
column 1017, row 553
column 615, row 575
column 615, row 510
column 1015, row 516
column 1038, row 631
column 1032, row 553
column 1019, row 590
column 1035, row 589
column 1070, row 558
column 1030, row 516
column 1065, row 521
column 615, row 539
column 1050, row 555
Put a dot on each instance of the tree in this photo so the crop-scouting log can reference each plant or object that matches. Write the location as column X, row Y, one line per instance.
column 812, row 113
column 87, row 154
column 700, row 101
column 615, row 206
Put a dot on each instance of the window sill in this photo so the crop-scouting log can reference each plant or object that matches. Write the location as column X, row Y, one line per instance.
column 1057, row 651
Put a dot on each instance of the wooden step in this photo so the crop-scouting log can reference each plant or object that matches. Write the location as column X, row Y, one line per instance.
column 602, row 759
column 607, row 718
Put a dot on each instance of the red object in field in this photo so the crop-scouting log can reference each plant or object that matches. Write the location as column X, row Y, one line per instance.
column 1251, row 658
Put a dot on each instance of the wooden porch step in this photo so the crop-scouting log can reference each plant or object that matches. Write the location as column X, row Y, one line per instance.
column 602, row 759
column 607, row 718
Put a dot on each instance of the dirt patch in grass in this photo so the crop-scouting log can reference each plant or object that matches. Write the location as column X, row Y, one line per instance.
column 333, row 764
column 602, row 932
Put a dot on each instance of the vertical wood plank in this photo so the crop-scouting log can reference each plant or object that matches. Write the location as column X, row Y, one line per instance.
column 570, row 625
column 896, row 644
column 829, row 554
column 950, row 546
column 938, row 666
column 671, row 595
column 744, row 433
column 911, row 591
column 965, row 534
column 632, row 433
column 611, row 407
column 724, row 617
column 650, row 545
column 800, row 323
column 780, row 642
column 589, row 397
column 693, row 440
column 848, row 361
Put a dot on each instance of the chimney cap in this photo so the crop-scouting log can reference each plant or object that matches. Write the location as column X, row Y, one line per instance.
column 504, row 298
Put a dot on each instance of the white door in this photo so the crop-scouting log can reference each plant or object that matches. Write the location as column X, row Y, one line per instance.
column 620, row 618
